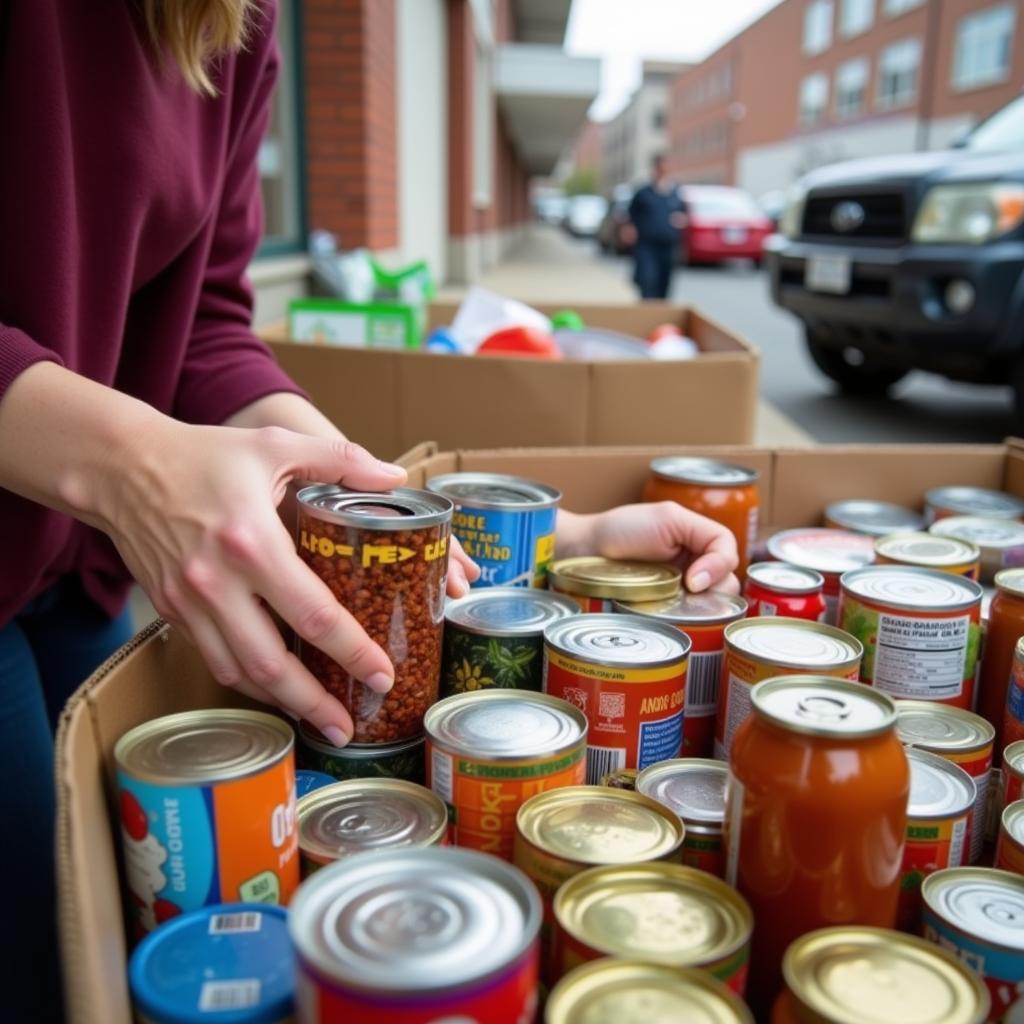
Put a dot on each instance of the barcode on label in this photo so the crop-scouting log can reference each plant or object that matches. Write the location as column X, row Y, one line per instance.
column 229, row 995
column 602, row 760
column 702, row 683
column 441, row 781
column 228, row 924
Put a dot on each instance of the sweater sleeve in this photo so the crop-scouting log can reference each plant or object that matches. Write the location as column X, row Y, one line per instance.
column 226, row 366
column 17, row 353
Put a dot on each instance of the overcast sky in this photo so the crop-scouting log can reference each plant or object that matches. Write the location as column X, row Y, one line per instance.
column 623, row 32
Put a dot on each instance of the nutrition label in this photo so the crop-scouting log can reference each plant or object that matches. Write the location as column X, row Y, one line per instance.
column 660, row 740
column 737, row 709
column 441, row 774
column 921, row 658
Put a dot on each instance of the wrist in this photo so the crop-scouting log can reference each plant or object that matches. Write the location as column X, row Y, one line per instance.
column 577, row 534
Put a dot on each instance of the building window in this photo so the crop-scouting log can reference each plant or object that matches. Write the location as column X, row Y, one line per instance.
column 658, row 119
column 817, row 26
column 852, row 87
column 894, row 7
column 983, row 47
column 897, row 74
column 856, row 16
column 813, row 99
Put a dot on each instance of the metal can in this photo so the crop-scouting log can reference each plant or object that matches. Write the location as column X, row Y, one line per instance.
column 758, row 649
column 999, row 541
column 661, row 913
column 487, row 753
column 877, row 976
column 1012, row 788
column 207, row 807
column 1003, row 629
column 693, row 788
column 775, row 588
column 875, row 518
column 595, row 583
column 703, row 618
column 634, row 992
column 367, row 814
column 978, row 915
column 942, row 799
column 230, row 961
column 961, row 737
column 1013, row 720
column 416, row 937
column 1010, row 845
column 307, row 782
column 504, row 523
column 941, row 502
column 621, row 778
column 360, row 761
column 830, row 552
column 385, row 558
column 495, row 637
column 929, row 551
column 627, row 674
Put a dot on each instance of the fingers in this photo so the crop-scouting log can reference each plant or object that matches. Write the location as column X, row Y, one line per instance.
column 332, row 461
column 713, row 545
column 462, row 570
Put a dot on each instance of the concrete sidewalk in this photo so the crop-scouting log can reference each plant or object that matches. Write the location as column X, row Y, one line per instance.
column 549, row 266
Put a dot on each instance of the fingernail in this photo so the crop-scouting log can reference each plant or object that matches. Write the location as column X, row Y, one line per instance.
column 390, row 468
column 700, row 581
column 335, row 736
column 381, row 682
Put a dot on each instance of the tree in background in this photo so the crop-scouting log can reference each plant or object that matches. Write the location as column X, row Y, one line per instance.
column 582, row 181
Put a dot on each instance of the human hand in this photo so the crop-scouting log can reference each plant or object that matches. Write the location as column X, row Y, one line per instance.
column 462, row 570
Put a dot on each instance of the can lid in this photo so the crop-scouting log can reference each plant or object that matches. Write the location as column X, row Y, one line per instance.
column 367, row 814
column 307, row 782
column 912, row 589
column 505, row 724
column 692, row 787
column 877, row 518
column 618, row 641
column 664, row 913
column 794, row 643
column 976, row 501
column 927, row 549
column 313, row 739
column 599, row 825
column 824, row 706
column 985, row 532
column 709, row 608
column 1013, row 820
column 982, row 902
column 1010, row 581
column 826, row 550
column 620, row 778
column 508, row 611
column 861, row 975
column 938, row 788
column 400, row 509
column 211, row 745
column 793, row 579
column 414, row 920
column 705, row 472
column 593, row 576
column 494, row 491
column 941, row 728
column 231, row 962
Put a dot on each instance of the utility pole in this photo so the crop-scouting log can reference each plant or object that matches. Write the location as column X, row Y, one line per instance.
column 929, row 73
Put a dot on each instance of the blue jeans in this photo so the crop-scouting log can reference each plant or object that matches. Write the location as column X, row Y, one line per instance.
column 46, row 651
column 655, row 262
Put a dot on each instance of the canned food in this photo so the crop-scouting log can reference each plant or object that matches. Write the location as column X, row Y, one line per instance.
column 307, row 782
column 595, row 583
column 627, row 674
column 830, row 552
column 621, row 778
column 703, row 618
column 941, row 502
column 207, row 802
column 231, row 961
column 694, row 788
column 1003, row 630
column 1012, row 777
column 495, row 637
column 961, row 737
column 1010, row 846
column 1013, row 719
column 489, row 752
column 875, row 518
column 999, row 541
column 385, row 558
column 789, row 814
column 775, row 588
column 361, row 761
column 661, row 913
column 723, row 492
column 634, row 992
column 854, row 975
column 929, row 551
column 504, row 523
column 367, row 814
column 758, row 649
column 921, row 631
column 978, row 915
column 416, row 937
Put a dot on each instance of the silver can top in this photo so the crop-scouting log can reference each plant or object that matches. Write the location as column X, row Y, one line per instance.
column 494, row 491
column 693, row 787
column 876, row 518
column 825, row 550
column 824, row 706
column 794, row 643
column 938, row 788
column 708, row 608
column 912, row 589
column 791, row 579
column 941, row 728
column 400, row 509
column 618, row 641
column 508, row 611
column 975, row 501
column 927, row 549
column 985, row 532
column 985, row 903
column 704, row 472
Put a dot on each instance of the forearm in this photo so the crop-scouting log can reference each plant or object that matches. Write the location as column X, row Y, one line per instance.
column 574, row 534
column 284, row 409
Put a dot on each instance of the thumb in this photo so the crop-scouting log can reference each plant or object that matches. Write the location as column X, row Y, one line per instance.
column 330, row 460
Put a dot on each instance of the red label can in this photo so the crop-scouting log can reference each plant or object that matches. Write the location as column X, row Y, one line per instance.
column 777, row 588
column 1012, row 788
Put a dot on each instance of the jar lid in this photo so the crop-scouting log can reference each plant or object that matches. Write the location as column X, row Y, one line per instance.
column 824, row 706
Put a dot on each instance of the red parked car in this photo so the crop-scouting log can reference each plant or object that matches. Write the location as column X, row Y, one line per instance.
column 723, row 224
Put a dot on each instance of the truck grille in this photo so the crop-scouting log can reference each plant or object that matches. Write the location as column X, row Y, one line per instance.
column 883, row 217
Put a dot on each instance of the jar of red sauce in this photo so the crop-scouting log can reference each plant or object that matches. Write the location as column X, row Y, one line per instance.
column 777, row 588
column 1005, row 628
column 723, row 492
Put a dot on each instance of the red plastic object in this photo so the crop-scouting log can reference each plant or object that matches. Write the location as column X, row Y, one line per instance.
column 664, row 331
column 520, row 341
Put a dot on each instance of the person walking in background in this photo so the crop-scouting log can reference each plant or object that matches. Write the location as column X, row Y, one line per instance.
column 658, row 216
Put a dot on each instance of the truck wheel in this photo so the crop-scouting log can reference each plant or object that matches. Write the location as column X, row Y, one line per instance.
column 855, row 377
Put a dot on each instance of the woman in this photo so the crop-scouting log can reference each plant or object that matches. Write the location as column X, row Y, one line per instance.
column 144, row 432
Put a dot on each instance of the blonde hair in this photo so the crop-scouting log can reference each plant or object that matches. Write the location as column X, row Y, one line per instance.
column 196, row 32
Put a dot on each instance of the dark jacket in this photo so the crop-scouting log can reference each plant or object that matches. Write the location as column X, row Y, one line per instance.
column 651, row 212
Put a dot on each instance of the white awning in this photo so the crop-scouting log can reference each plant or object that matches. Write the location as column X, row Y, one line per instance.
column 541, row 21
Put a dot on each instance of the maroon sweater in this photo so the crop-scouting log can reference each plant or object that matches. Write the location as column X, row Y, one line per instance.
column 129, row 210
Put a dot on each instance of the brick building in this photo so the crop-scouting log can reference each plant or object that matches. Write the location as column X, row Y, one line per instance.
column 815, row 81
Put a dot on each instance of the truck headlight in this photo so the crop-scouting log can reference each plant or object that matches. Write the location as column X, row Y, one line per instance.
column 792, row 218
column 969, row 214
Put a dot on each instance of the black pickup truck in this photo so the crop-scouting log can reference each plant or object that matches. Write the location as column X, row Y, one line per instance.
column 912, row 262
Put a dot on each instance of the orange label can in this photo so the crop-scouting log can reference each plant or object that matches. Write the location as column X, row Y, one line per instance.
column 1012, row 775
column 1010, row 846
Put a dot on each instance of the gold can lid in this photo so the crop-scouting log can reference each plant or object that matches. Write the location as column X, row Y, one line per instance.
column 928, row 550
column 593, row 576
column 824, row 706
column 860, row 975
column 613, row 991
column 941, row 728
column 1010, row 581
column 664, row 913
column 709, row 608
column 1013, row 821
column 599, row 825
column 938, row 788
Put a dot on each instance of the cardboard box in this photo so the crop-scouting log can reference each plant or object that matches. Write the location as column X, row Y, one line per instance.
column 159, row 673
column 388, row 401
